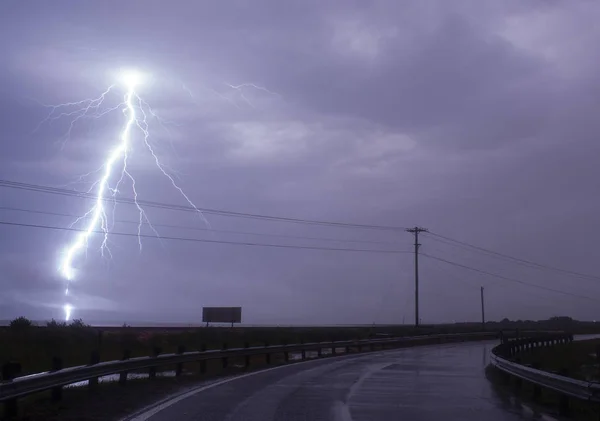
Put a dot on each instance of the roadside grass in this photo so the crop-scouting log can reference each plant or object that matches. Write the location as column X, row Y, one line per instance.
column 578, row 358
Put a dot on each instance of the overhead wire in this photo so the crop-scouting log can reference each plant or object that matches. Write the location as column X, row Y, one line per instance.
column 506, row 278
column 451, row 241
column 199, row 240
column 210, row 211
column 188, row 227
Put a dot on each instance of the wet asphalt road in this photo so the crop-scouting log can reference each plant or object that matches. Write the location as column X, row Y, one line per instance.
column 414, row 384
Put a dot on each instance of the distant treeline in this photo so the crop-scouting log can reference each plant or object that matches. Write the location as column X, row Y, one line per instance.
column 554, row 323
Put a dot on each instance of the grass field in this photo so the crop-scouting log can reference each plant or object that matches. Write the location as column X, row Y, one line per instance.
column 578, row 358
column 35, row 347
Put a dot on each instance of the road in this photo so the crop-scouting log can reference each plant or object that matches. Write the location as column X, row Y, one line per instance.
column 444, row 382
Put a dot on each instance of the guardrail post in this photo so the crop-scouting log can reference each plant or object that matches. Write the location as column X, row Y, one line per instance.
column 10, row 370
column 247, row 357
column 94, row 359
column 203, row 362
column 564, row 408
column 286, row 354
column 57, row 365
column 224, row 360
column 123, row 374
column 303, row 352
column 333, row 350
column 152, row 370
column 179, row 366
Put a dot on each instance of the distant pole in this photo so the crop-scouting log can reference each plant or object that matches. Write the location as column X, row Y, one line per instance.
column 482, row 310
column 416, row 231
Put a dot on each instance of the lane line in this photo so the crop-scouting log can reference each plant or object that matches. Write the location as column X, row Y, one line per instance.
column 145, row 414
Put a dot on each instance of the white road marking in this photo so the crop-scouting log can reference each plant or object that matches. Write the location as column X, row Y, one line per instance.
column 143, row 416
column 341, row 412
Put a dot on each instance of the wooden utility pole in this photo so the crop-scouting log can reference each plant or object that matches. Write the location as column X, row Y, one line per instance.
column 416, row 231
column 482, row 310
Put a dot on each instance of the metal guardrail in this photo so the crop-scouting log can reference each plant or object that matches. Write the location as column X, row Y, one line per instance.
column 53, row 380
column 579, row 389
column 565, row 386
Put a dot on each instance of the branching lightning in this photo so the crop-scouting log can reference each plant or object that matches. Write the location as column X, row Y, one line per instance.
column 241, row 89
column 113, row 171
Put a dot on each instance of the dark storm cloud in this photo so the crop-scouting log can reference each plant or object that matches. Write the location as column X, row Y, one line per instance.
column 476, row 119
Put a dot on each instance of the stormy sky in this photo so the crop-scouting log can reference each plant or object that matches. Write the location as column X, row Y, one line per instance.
column 475, row 119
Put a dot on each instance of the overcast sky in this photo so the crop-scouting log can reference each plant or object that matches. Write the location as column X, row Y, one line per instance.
column 475, row 119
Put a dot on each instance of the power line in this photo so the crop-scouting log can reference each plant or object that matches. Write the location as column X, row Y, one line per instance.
column 454, row 276
column 34, row 211
column 162, row 205
column 451, row 241
column 198, row 240
column 518, row 281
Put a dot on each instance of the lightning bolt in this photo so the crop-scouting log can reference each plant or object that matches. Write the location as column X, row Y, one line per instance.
column 136, row 112
column 114, row 171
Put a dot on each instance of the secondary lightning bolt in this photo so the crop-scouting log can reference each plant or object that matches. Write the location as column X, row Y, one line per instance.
column 136, row 110
column 241, row 88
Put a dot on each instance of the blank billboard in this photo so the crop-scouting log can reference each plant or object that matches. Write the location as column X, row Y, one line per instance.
column 222, row 314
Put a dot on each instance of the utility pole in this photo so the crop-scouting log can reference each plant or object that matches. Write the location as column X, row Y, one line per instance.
column 482, row 310
column 416, row 231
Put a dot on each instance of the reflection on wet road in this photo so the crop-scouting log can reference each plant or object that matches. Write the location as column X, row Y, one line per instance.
column 423, row 383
